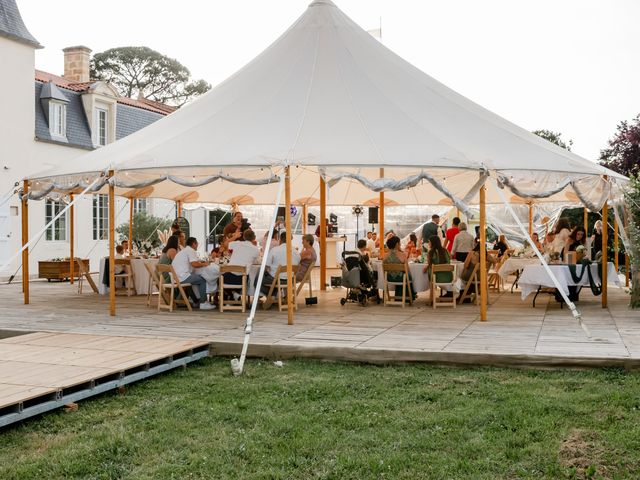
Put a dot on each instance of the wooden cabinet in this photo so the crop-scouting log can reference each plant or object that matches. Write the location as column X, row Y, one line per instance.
column 50, row 269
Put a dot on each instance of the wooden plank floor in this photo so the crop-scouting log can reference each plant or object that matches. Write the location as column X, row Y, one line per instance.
column 516, row 333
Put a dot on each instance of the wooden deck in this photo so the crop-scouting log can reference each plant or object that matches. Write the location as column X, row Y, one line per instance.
column 516, row 333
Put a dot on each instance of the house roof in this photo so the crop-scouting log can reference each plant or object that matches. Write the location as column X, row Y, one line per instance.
column 12, row 26
column 144, row 104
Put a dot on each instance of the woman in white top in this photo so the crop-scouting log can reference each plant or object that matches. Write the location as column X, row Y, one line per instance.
column 463, row 243
column 558, row 239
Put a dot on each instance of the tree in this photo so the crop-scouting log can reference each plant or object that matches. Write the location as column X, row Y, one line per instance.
column 632, row 197
column 145, row 228
column 623, row 154
column 554, row 137
column 141, row 71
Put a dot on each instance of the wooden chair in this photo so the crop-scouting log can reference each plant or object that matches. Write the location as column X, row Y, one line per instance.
column 467, row 292
column 495, row 281
column 405, row 283
column 433, row 285
column 306, row 279
column 84, row 274
column 169, row 289
column 154, row 282
column 126, row 275
column 241, row 303
column 279, row 287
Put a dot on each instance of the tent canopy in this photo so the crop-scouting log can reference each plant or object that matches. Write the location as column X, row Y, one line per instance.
column 327, row 98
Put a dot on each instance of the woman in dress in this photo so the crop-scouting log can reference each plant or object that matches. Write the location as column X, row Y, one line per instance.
column 308, row 257
column 557, row 241
column 438, row 255
column 596, row 239
column 169, row 252
column 411, row 248
column 394, row 255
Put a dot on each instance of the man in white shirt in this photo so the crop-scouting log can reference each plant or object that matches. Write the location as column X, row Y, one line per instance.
column 184, row 263
column 278, row 258
column 244, row 253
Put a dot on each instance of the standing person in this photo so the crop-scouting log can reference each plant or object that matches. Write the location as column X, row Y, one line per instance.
column 184, row 264
column 451, row 234
column 558, row 239
column 596, row 239
column 235, row 227
column 462, row 244
column 431, row 228
column 501, row 245
column 125, row 247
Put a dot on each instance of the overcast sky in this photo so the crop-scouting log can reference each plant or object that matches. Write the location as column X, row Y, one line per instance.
column 571, row 66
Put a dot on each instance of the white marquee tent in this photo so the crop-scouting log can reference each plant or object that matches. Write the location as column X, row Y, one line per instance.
column 328, row 100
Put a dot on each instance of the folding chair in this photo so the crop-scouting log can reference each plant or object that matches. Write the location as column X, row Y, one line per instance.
column 435, row 269
column 127, row 276
column 282, row 286
column 241, row 303
column 495, row 281
column 170, row 287
column 306, row 279
column 467, row 292
column 154, row 282
column 84, row 274
column 405, row 283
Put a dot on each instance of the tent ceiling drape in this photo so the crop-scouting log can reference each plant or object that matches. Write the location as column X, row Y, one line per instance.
column 327, row 98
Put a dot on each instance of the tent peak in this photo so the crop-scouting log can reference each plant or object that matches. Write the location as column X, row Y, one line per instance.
column 318, row 3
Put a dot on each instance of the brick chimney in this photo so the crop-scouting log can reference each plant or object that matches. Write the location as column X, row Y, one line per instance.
column 76, row 63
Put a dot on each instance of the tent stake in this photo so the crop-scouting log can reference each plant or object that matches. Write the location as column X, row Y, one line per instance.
column 112, row 243
column 25, row 240
column 72, row 261
column 323, row 234
column 483, row 256
column 287, row 222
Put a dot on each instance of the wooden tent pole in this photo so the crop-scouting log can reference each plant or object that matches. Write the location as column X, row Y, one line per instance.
column 616, row 244
column 72, row 261
column 25, row 240
column 304, row 219
column 585, row 220
column 287, row 223
column 626, row 252
column 112, row 243
column 483, row 255
column 179, row 206
column 530, row 219
column 381, row 218
column 323, row 234
column 131, row 202
column 605, row 244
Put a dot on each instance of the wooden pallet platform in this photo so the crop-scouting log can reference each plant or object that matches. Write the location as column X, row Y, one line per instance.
column 42, row 371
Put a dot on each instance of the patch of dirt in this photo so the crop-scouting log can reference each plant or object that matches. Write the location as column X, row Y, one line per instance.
column 581, row 451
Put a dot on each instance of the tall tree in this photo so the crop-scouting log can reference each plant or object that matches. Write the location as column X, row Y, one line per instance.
column 623, row 154
column 554, row 137
column 141, row 71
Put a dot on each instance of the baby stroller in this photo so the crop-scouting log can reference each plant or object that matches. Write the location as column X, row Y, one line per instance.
column 358, row 280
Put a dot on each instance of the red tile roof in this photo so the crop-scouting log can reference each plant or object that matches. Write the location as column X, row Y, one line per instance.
column 143, row 103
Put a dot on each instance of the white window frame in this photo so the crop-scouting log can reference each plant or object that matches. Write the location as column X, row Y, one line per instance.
column 57, row 119
column 100, row 217
column 102, row 128
column 140, row 205
column 57, row 231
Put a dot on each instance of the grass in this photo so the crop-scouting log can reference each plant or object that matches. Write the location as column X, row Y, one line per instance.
column 341, row 421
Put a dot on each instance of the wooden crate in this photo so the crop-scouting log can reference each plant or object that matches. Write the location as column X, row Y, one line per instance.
column 58, row 270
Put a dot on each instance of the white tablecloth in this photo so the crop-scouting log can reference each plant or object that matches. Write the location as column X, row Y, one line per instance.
column 512, row 265
column 534, row 276
column 141, row 276
column 419, row 278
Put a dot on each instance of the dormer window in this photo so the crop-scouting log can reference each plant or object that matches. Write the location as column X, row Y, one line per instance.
column 58, row 120
column 102, row 126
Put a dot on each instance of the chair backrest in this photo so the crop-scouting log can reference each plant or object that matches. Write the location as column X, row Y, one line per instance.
column 443, row 267
column 162, row 269
column 81, row 269
column 151, row 269
column 394, row 267
column 122, row 261
column 233, row 269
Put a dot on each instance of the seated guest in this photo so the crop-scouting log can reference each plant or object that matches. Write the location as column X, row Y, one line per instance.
column 278, row 258
column 363, row 250
column 557, row 240
column 395, row 256
column 179, row 234
column 473, row 259
column 235, row 227
column 596, row 239
column 367, row 276
column 222, row 252
column 536, row 241
column 245, row 253
column 501, row 245
column 376, row 240
column 412, row 246
column 119, row 254
column 438, row 255
column 184, row 264
column 274, row 239
column 169, row 252
column 577, row 238
column 125, row 247
column 308, row 257
column 463, row 243
column 370, row 243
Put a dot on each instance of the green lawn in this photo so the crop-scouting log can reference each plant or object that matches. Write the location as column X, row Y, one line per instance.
column 326, row 420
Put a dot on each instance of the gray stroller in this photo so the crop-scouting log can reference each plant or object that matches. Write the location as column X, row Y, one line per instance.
column 357, row 279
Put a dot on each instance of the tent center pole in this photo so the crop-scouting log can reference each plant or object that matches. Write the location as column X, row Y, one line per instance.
column 605, row 245
column 25, row 240
column 131, row 203
column 381, row 218
column 287, row 220
column 112, row 243
column 483, row 255
column 323, row 234
column 72, row 260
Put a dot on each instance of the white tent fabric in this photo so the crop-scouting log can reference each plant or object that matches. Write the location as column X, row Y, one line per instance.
column 328, row 98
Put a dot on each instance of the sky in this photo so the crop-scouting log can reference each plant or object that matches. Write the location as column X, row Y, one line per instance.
column 571, row 66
